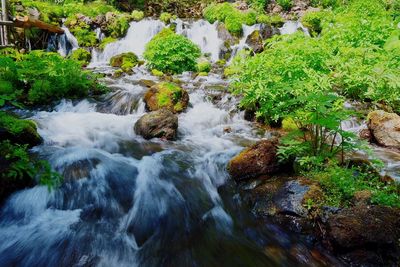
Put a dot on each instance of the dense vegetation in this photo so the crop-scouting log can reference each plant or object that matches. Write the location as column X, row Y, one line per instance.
column 37, row 78
column 171, row 53
column 304, row 81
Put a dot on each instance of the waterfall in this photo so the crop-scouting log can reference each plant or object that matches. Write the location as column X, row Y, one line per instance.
column 139, row 34
column 291, row 27
column 247, row 30
column 204, row 34
column 99, row 34
column 66, row 42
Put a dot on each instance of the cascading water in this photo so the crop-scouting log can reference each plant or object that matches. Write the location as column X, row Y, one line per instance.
column 291, row 27
column 139, row 34
column 247, row 30
column 66, row 42
column 204, row 34
column 126, row 201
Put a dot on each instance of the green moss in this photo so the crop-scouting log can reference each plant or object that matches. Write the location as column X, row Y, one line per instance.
column 273, row 20
column 169, row 94
column 203, row 73
column 221, row 62
column 85, row 36
column 126, row 61
column 285, row 4
column 166, row 17
column 312, row 20
column 16, row 126
column 118, row 26
column 204, row 66
column 157, row 73
column 288, row 124
column 137, row 15
column 82, row 56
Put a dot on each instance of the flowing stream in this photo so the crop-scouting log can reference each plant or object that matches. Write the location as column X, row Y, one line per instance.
column 126, row 201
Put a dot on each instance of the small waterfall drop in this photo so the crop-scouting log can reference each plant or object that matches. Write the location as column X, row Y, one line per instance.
column 204, row 34
column 247, row 30
column 291, row 27
column 139, row 34
column 67, row 42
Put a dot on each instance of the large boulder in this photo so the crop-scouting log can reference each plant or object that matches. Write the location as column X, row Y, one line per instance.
column 166, row 95
column 385, row 128
column 125, row 61
column 255, row 41
column 157, row 124
column 259, row 159
column 267, row 31
column 365, row 226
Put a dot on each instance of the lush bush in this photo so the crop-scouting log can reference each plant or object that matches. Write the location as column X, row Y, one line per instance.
column 118, row 26
column 39, row 78
column 313, row 21
column 273, row 20
column 165, row 17
column 204, row 66
column 82, row 56
column 285, row 4
column 171, row 53
column 137, row 15
column 230, row 15
column 258, row 4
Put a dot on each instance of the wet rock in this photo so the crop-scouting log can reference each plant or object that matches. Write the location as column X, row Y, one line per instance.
column 365, row 226
column 147, row 83
column 22, row 132
column 255, row 42
column 166, row 95
column 157, row 124
column 125, row 61
column 267, row 31
column 362, row 197
column 365, row 134
column 259, row 159
column 225, row 35
column 385, row 128
column 290, row 199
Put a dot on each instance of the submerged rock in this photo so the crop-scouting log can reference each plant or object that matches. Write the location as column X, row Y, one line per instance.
column 166, row 95
column 385, row 128
column 157, row 124
column 255, row 41
column 259, row 159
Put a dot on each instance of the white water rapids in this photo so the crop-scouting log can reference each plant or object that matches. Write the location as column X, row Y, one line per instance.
column 126, row 201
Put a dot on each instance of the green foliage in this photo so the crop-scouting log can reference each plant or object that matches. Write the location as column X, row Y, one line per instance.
column 232, row 17
column 339, row 185
column 169, row 95
column 165, row 17
column 118, row 26
column 313, row 19
column 327, row 3
column 137, row 15
column 285, row 4
column 237, row 62
column 273, row 20
column 106, row 41
column 171, row 53
column 126, row 61
column 39, row 78
column 82, row 56
column 21, row 166
column 204, row 66
column 258, row 4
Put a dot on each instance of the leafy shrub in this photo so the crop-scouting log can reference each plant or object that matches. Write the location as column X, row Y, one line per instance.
column 285, row 4
column 230, row 15
column 82, row 56
column 204, row 66
column 313, row 21
column 137, row 15
column 118, row 26
column 171, row 53
column 40, row 78
column 258, row 4
column 165, row 17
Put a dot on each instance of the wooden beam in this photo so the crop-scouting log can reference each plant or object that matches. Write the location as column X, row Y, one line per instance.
column 7, row 23
column 27, row 22
column 4, row 15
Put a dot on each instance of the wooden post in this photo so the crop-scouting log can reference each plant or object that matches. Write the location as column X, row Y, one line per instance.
column 4, row 18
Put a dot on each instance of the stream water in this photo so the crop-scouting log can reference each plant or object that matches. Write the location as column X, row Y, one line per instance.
column 126, row 201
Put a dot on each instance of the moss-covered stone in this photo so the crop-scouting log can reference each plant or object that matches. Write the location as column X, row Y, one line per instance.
column 157, row 73
column 166, row 17
column 125, row 61
column 106, row 41
column 204, row 66
column 19, row 131
column 82, row 56
column 166, row 95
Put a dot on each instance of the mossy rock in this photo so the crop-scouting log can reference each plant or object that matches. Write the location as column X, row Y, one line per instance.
column 203, row 66
column 82, row 56
column 125, row 61
column 19, row 131
column 166, row 95
column 137, row 15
